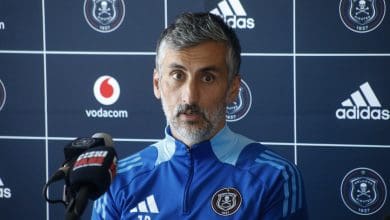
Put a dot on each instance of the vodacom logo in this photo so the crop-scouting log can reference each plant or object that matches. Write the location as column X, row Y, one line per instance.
column 106, row 90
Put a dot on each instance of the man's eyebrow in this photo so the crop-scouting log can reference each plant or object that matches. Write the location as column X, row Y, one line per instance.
column 209, row 69
column 176, row 66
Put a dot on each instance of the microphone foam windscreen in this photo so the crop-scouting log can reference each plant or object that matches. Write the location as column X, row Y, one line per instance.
column 95, row 168
column 79, row 145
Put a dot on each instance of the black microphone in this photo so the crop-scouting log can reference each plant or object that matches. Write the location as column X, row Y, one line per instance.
column 89, row 178
column 76, row 147
column 71, row 151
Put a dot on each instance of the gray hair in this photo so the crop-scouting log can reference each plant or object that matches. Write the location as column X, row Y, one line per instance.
column 192, row 29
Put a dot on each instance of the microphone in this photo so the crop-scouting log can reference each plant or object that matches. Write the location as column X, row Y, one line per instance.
column 76, row 147
column 71, row 151
column 89, row 177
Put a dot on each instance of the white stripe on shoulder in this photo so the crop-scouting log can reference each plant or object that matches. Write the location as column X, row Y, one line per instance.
column 228, row 145
column 129, row 163
column 165, row 150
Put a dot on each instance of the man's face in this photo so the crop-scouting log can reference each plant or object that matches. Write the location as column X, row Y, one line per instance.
column 194, row 90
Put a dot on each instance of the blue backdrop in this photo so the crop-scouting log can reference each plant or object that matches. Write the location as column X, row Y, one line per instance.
column 315, row 89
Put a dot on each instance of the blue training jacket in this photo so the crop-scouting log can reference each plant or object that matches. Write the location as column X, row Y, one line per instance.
column 227, row 177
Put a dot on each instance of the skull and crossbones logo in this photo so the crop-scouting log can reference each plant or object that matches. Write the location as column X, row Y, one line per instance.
column 104, row 10
column 362, row 8
column 226, row 201
column 363, row 191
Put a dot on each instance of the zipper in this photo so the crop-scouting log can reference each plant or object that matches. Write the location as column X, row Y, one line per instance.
column 186, row 208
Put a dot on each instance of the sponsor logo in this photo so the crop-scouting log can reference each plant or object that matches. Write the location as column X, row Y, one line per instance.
column 233, row 14
column 106, row 113
column 363, row 191
column 5, row 193
column 82, row 142
column 363, row 105
column 2, row 25
column 226, row 201
column 145, row 208
column 362, row 16
column 92, row 158
column 239, row 108
column 3, row 95
column 106, row 91
column 104, row 15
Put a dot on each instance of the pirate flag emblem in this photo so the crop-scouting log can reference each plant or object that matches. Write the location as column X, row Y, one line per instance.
column 362, row 16
column 237, row 110
column 363, row 191
column 104, row 15
column 226, row 201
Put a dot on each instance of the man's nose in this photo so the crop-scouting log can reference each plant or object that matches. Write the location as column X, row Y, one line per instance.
column 190, row 92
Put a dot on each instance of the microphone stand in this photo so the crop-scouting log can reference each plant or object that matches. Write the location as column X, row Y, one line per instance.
column 77, row 204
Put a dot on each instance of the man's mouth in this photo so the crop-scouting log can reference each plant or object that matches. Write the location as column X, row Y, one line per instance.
column 189, row 113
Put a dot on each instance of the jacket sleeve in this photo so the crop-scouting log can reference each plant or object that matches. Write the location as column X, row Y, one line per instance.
column 285, row 198
column 104, row 208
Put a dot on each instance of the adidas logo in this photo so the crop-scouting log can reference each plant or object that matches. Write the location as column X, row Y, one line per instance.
column 234, row 14
column 148, row 206
column 4, row 192
column 363, row 104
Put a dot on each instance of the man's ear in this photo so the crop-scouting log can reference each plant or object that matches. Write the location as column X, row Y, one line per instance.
column 156, row 84
column 234, row 89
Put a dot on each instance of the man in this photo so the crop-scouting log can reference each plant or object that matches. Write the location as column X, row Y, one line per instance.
column 201, row 169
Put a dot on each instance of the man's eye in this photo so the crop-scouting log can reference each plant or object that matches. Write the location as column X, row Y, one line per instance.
column 178, row 75
column 208, row 78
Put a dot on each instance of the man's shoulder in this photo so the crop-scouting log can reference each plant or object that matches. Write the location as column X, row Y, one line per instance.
column 134, row 165
column 266, row 164
column 256, row 153
column 143, row 158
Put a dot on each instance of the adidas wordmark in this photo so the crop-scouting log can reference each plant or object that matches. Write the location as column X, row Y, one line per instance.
column 234, row 14
column 363, row 104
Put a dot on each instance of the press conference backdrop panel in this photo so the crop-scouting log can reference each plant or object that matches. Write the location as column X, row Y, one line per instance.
column 315, row 89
